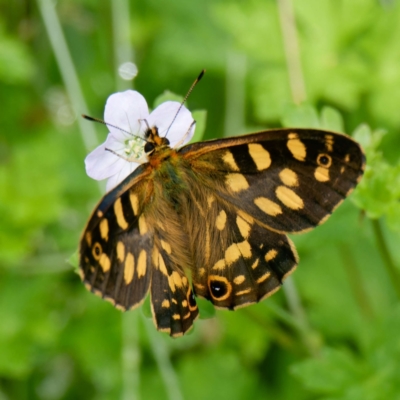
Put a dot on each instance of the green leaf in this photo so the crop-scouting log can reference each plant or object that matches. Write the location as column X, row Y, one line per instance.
column 331, row 119
column 369, row 140
column 206, row 308
column 167, row 95
column 330, row 373
column 304, row 116
column 73, row 260
column 146, row 308
column 200, row 116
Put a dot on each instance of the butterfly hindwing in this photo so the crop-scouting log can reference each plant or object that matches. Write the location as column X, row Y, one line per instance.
column 290, row 179
column 173, row 305
column 238, row 261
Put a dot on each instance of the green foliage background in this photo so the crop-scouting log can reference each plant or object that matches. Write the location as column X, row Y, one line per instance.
column 333, row 331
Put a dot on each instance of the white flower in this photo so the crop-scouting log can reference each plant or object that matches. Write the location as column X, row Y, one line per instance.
column 128, row 111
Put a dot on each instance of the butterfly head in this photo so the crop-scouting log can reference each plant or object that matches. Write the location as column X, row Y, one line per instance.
column 153, row 140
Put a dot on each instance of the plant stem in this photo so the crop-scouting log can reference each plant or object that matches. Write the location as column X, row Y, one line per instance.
column 67, row 70
column 130, row 356
column 234, row 119
column 123, row 51
column 292, row 50
column 388, row 262
column 307, row 335
column 161, row 355
column 356, row 281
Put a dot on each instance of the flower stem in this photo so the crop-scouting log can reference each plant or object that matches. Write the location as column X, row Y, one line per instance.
column 292, row 50
column 130, row 356
column 161, row 355
column 388, row 262
column 67, row 70
column 356, row 281
column 307, row 335
column 235, row 98
column 123, row 50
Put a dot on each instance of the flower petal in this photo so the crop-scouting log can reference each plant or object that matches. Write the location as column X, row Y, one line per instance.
column 164, row 114
column 126, row 170
column 101, row 164
column 125, row 110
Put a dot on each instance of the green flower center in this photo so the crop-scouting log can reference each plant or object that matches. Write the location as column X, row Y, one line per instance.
column 134, row 148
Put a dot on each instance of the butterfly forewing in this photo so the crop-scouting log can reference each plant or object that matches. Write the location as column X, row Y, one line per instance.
column 289, row 180
column 115, row 251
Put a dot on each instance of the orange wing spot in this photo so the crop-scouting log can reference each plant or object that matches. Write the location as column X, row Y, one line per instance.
column 230, row 161
column 142, row 225
column 236, row 182
column 289, row 177
column 321, row 174
column 141, row 264
column 289, row 198
column 103, row 226
column 264, row 277
column 260, row 156
column 88, row 237
column 134, row 202
column 268, row 206
column 120, row 251
column 243, row 226
column 119, row 214
column 166, row 246
column 105, row 262
column 177, row 279
column 239, row 279
column 221, row 220
column 296, row 147
column 242, row 292
column 271, row 254
column 129, row 268
column 165, row 304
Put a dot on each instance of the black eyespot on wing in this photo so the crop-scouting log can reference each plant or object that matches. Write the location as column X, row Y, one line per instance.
column 323, row 159
column 220, row 287
column 192, row 300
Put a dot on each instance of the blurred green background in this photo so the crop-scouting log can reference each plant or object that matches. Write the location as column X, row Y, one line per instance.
column 333, row 331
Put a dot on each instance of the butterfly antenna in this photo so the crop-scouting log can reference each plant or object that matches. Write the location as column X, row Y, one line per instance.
column 186, row 97
column 114, row 126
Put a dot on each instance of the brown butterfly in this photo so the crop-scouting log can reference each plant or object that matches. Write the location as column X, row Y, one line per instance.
column 219, row 209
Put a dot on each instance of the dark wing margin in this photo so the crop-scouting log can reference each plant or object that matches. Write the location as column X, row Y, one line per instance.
column 290, row 180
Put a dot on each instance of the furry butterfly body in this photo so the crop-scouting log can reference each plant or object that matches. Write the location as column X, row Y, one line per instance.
column 218, row 212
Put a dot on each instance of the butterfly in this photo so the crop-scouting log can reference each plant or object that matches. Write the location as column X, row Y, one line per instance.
column 210, row 219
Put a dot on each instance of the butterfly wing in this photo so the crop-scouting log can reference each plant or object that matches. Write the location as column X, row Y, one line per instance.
column 237, row 261
column 249, row 192
column 290, row 180
column 124, row 254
